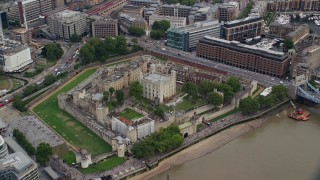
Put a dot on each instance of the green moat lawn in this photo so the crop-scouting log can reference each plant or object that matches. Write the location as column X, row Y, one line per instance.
column 66, row 125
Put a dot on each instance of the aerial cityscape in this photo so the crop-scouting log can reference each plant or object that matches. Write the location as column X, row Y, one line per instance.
column 159, row 90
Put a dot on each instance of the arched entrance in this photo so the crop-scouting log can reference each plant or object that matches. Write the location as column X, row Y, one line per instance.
column 185, row 135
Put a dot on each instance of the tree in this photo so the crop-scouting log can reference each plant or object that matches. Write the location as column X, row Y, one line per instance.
column 280, row 92
column 52, row 51
column 313, row 83
column 111, row 90
column 249, row 105
column 44, row 152
column 288, row 43
column 215, row 99
column 120, row 96
column 310, row 31
column 121, row 45
column 29, row 90
column 110, row 45
column 156, row 34
column 234, row 83
column 136, row 31
column 205, row 87
column 18, row 103
column 162, row 25
column 136, row 90
column 87, row 53
column 75, row 38
column 134, row 40
column 106, row 97
column 49, row 79
column 227, row 90
column 159, row 112
column 191, row 89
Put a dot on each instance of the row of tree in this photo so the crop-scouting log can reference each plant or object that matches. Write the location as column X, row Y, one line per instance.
column 159, row 28
column 99, row 50
column 52, row 51
column 37, row 71
column 163, row 141
column 205, row 89
column 250, row 105
column 43, row 151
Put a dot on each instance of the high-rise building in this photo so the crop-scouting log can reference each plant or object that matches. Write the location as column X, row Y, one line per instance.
column 228, row 11
column 239, row 29
column 3, row 148
column 66, row 23
column 18, row 166
column 186, row 38
column 105, row 28
column 233, row 53
column 27, row 12
column 4, row 19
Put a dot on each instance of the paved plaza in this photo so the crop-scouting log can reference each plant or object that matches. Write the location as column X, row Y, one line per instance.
column 33, row 128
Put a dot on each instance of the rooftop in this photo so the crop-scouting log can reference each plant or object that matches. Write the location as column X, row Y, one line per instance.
column 243, row 21
column 196, row 26
column 17, row 160
column 274, row 55
column 155, row 77
column 14, row 145
column 20, row 30
column 51, row 173
column 299, row 28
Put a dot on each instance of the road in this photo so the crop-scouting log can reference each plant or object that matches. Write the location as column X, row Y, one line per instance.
column 157, row 46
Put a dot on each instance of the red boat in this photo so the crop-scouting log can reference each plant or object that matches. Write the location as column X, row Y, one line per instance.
column 300, row 115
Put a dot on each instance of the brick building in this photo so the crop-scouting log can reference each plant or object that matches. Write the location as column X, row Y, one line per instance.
column 251, row 58
column 105, row 28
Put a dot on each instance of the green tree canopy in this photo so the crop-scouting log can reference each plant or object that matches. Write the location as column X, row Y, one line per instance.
column 162, row 25
column 18, row 103
column 280, row 92
column 234, row 83
column 44, row 152
column 249, row 105
column 49, row 79
column 136, row 31
column 205, row 87
column 215, row 99
column 191, row 89
column 111, row 90
column 288, row 43
column 52, row 51
column 227, row 90
column 106, row 95
column 136, row 90
column 156, row 34
column 75, row 38
column 87, row 53
column 159, row 112
column 120, row 97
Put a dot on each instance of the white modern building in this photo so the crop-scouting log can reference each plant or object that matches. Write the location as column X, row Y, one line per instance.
column 133, row 129
column 175, row 22
column 15, row 57
column 18, row 166
column 3, row 148
column 66, row 23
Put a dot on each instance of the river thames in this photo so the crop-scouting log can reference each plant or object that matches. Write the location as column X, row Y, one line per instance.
column 281, row 149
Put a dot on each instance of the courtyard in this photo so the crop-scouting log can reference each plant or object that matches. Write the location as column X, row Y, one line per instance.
column 130, row 114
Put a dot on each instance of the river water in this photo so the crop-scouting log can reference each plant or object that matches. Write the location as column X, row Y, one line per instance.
column 280, row 149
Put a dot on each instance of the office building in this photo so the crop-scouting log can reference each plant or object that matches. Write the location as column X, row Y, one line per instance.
column 280, row 30
column 233, row 53
column 176, row 10
column 299, row 33
column 22, row 35
column 294, row 5
column 4, row 19
column 27, row 12
column 66, row 23
column 3, row 148
column 175, row 22
column 259, row 9
column 18, row 166
column 15, row 57
column 129, row 8
column 158, row 86
column 106, row 8
column 186, row 38
column 127, row 20
column 240, row 29
column 145, row 3
column 202, row 12
column 228, row 11
column 105, row 28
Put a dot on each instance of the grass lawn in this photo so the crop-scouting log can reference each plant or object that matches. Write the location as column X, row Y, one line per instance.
column 69, row 158
column 226, row 114
column 66, row 125
column 188, row 104
column 104, row 165
column 130, row 114
column 4, row 83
